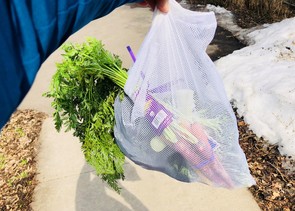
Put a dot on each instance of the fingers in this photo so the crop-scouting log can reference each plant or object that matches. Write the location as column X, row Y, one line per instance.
column 162, row 5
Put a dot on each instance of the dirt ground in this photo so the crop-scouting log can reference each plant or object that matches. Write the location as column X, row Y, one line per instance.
column 274, row 174
column 18, row 149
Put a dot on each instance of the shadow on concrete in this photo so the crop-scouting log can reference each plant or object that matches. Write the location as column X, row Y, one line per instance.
column 92, row 193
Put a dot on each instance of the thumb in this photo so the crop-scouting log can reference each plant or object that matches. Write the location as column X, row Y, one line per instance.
column 163, row 5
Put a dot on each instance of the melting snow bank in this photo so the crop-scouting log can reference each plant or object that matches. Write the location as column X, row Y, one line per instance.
column 260, row 79
column 226, row 20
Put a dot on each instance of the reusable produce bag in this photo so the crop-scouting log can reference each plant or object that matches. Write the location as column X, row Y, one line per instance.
column 175, row 117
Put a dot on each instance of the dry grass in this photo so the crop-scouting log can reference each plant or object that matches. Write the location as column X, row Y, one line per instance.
column 271, row 10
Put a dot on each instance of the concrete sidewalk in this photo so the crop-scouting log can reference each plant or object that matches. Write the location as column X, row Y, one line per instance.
column 67, row 183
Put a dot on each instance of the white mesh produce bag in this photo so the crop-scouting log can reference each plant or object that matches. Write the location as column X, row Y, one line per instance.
column 175, row 117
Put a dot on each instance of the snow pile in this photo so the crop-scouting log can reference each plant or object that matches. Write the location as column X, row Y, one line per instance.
column 260, row 79
column 226, row 20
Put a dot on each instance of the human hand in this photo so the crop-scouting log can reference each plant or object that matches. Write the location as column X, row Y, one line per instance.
column 162, row 5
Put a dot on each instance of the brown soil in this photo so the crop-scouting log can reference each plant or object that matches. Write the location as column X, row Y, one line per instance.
column 18, row 150
column 275, row 188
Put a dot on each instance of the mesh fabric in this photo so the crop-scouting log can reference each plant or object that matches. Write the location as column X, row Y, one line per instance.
column 175, row 117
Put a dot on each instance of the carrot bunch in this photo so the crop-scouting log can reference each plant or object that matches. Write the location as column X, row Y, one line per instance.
column 191, row 141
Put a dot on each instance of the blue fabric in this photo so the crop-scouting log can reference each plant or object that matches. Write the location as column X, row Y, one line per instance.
column 30, row 30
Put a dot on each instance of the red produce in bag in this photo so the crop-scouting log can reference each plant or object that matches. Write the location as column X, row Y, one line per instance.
column 175, row 117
